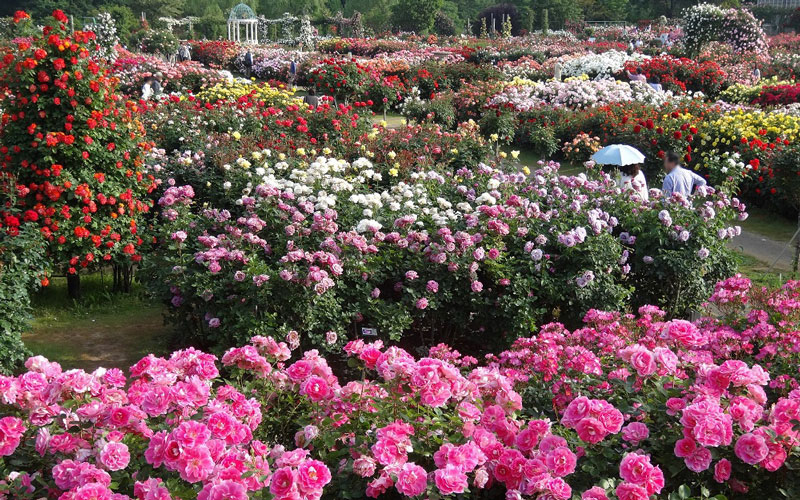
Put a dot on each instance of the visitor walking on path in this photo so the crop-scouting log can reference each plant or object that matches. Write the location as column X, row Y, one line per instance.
column 248, row 63
column 679, row 179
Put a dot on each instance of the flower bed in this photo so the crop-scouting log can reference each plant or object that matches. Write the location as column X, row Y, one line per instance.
column 318, row 243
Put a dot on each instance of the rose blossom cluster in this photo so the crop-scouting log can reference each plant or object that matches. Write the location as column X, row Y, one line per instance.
column 592, row 419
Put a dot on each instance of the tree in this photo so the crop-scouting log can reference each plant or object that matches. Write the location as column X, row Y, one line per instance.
column 415, row 15
column 212, row 23
column 609, row 9
column 498, row 14
column 377, row 14
column 74, row 151
column 154, row 9
column 558, row 11
column 124, row 18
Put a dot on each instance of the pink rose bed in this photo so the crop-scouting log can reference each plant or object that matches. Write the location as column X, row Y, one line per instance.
column 627, row 406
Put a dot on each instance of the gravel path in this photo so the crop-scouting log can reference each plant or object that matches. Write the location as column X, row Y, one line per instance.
column 765, row 249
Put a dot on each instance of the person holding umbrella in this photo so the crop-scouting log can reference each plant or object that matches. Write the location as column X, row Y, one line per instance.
column 629, row 161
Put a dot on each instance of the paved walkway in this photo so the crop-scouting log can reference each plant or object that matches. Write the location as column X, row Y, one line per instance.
column 765, row 249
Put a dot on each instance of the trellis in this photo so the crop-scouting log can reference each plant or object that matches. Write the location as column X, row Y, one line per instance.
column 287, row 22
column 171, row 22
column 354, row 22
column 304, row 37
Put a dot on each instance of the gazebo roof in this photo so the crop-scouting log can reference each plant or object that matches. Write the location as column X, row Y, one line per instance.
column 241, row 12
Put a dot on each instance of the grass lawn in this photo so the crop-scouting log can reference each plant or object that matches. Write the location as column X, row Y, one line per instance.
column 103, row 329
column 759, row 271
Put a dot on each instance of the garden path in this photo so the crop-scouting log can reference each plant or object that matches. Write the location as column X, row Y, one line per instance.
column 765, row 249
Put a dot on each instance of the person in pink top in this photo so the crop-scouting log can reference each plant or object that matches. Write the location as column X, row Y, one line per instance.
column 638, row 76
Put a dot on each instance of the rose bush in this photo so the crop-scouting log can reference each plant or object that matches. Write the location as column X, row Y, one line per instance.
column 77, row 162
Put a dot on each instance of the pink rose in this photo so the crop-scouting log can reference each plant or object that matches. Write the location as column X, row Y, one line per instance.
column 751, row 448
column 643, row 362
column 282, row 482
column 635, row 432
column 561, row 461
column 115, row 456
column 313, row 475
column 596, row 493
column 635, row 468
column 224, row 490
column 299, row 371
column 411, row 480
column 316, row 388
column 629, row 491
column 722, row 470
column 364, row 466
column 683, row 332
column 577, row 409
column 685, row 447
column 450, row 480
column 698, row 461
column 591, row 430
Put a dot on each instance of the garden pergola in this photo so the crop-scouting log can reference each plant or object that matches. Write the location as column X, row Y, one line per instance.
column 242, row 16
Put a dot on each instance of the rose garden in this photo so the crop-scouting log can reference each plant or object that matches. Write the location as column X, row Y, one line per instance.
column 387, row 266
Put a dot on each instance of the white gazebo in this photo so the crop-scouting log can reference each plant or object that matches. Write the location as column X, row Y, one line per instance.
column 242, row 16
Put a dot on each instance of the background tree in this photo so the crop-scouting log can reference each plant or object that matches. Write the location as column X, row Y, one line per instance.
column 212, row 22
column 415, row 15
column 124, row 18
column 72, row 148
column 443, row 25
column 497, row 14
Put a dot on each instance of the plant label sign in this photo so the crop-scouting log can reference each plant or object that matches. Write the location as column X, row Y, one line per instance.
column 369, row 332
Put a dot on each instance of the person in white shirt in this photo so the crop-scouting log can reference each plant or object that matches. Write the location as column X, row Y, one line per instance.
column 632, row 179
column 147, row 89
column 679, row 179
column 655, row 83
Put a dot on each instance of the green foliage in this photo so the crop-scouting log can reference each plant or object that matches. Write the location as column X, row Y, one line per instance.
column 545, row 21
column 124, row 18
column 415, row 15
column 212, row 22
column 22, row 265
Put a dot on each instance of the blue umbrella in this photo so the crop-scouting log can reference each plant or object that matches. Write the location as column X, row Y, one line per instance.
column 618, row 154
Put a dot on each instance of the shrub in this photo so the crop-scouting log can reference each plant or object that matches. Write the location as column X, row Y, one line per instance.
column 705, row 22
column 443, row 25
column 630, row 404
column 159, row 42
column 23, row 268
column 390, row 250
